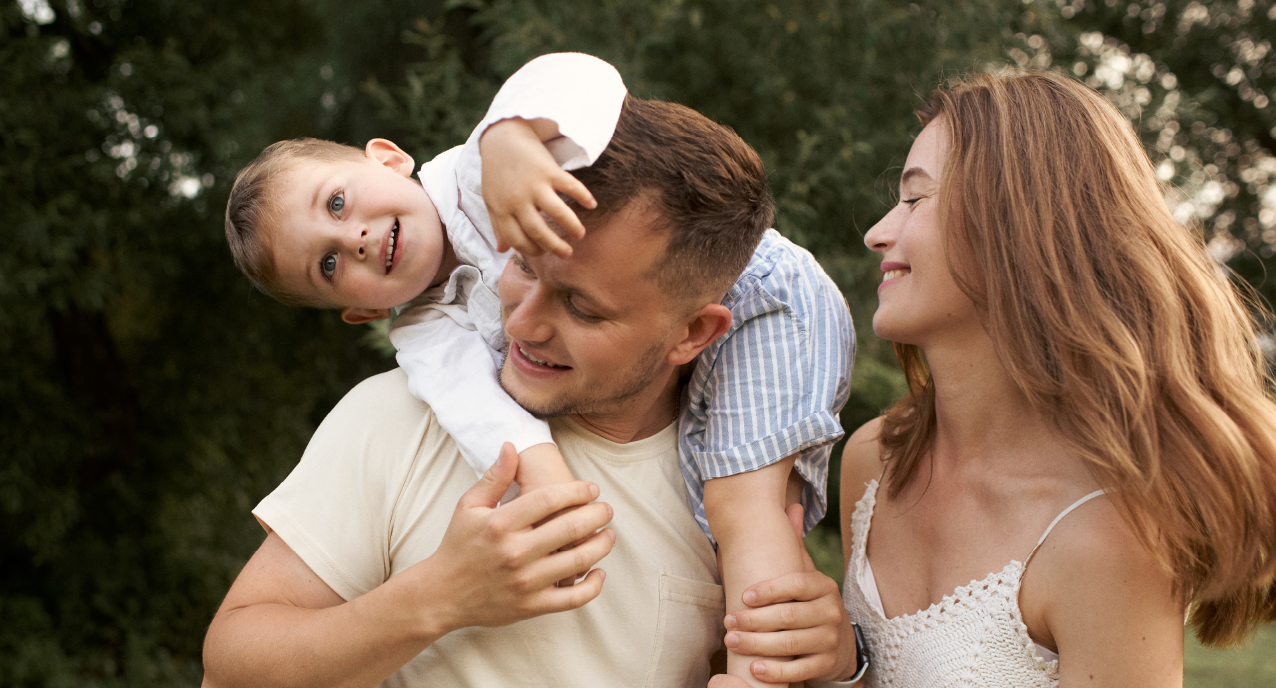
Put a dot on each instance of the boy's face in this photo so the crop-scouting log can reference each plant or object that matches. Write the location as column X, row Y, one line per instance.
column 357, row 234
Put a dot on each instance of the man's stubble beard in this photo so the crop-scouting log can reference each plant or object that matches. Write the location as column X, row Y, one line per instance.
column 615, row 389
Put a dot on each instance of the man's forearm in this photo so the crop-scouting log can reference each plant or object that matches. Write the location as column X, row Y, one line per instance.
column 347, row 645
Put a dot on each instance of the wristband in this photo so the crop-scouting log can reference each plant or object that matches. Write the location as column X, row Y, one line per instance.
column 861, row 663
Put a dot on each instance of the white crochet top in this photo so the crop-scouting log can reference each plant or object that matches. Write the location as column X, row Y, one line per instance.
column 973, row 637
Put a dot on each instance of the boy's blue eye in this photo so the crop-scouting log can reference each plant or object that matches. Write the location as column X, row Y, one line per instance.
column 337, row 203
column 328, row 265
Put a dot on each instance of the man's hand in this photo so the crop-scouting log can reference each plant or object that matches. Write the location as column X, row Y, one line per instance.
column 521, row 181
column 799, row 615
column 503, row 562
column 493, row 567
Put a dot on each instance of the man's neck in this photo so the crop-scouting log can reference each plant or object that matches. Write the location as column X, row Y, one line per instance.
column 641, row 417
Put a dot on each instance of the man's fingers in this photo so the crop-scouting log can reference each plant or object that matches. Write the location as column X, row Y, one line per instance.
column 530, row 508
column 546, row 572
column 572, row 597
column 804, row 641
column 537, row 230
column 805, row 586
column 780, row 671
column 576, row 527
column 487, row 492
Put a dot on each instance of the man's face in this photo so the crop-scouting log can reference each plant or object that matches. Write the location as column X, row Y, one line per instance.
column 591, row 333
column 355, row 234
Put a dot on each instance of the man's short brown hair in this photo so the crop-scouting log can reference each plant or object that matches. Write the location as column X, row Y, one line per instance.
column 253, row 205
column 708, row 185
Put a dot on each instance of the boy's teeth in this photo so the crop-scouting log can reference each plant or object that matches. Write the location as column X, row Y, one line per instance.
column 892, row 274
column 389, row 255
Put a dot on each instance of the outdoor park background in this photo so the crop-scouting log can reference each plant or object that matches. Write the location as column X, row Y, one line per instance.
column 149, row 398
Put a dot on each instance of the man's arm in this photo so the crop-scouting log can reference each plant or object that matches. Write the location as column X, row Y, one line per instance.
column 281, row 625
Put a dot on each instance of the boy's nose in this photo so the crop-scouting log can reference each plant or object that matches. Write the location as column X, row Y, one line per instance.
column 357, row 242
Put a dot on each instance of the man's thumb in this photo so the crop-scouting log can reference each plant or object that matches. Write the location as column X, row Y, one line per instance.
column 487, row 492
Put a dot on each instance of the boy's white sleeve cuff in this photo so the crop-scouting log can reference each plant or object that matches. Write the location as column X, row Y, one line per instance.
column 579, row 92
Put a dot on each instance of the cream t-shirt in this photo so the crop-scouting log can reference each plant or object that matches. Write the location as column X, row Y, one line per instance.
column 375, row 491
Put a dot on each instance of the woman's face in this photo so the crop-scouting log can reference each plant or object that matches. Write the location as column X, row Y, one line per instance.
column 918, row 298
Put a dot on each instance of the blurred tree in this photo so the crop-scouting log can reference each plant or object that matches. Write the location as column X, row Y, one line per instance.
column 149, row 398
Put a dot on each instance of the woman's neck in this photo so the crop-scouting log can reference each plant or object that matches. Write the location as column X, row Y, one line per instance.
column 981, row 415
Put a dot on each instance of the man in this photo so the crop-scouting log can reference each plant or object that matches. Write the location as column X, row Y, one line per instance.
column 370, row 574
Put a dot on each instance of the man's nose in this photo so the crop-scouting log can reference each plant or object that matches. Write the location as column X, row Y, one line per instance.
column 526, row 317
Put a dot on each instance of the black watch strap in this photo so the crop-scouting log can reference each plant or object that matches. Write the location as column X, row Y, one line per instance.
column 861, row 654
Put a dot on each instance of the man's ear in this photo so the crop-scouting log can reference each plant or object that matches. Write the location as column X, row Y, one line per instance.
column 359, row 316
column 390, row 155
column 705, row 325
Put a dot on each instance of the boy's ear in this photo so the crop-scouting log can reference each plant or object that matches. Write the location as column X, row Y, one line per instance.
column 705, row 325
column 358, row 316
column 390, row 155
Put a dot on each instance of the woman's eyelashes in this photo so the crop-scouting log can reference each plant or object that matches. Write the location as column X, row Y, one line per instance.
column 337, row 203
column 328, row 266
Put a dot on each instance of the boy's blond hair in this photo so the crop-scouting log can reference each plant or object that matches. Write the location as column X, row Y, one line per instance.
column 254, row 205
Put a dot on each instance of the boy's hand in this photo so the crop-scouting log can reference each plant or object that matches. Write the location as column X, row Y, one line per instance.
column 521, row 181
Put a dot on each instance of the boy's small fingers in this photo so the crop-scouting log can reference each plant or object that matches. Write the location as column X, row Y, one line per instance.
column 539, row 232
column 562, row 213
column 573, row 187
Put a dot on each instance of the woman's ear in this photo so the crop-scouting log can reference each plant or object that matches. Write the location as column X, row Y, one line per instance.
column 705, row 325
column 390, row 155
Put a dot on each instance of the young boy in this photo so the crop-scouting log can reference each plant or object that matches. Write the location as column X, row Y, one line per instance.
column 313, row 223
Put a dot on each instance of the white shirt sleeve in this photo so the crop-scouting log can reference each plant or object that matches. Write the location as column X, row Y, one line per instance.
column 452, row 369
column 579, row 92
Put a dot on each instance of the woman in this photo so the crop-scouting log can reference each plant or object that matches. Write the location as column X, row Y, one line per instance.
column 1087, row 450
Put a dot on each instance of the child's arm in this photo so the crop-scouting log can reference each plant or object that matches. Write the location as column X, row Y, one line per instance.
column 556, row 113
column 451, row 368
column 755, row 538
column 522, row 181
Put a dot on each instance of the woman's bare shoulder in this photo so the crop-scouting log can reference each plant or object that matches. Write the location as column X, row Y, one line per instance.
column 861, row 461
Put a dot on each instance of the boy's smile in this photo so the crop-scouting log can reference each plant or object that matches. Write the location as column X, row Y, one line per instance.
column 357, row 234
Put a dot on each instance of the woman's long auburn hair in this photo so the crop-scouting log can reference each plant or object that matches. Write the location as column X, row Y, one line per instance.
column 1116, row 324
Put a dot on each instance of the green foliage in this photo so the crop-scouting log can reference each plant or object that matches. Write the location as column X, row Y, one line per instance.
column 150, row 398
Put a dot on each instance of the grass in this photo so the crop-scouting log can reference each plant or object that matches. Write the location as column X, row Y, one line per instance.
column 1248, row 667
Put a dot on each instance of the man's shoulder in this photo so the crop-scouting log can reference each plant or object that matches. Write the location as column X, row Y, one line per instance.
column 381, row 400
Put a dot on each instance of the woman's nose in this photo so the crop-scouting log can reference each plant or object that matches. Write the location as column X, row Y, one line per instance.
column 881, row 236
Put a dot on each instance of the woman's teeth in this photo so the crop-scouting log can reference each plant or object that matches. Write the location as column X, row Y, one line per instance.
column 537, row 361
column 389, row 254
column 892, row 274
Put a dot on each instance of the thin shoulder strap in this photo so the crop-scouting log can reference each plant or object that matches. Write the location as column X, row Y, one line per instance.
column 1058, row 518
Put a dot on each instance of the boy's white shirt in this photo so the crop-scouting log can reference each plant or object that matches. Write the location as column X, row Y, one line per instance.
column 450, row 340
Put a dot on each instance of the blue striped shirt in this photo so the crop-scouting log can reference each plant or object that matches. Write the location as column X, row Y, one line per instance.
column 772, row 386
